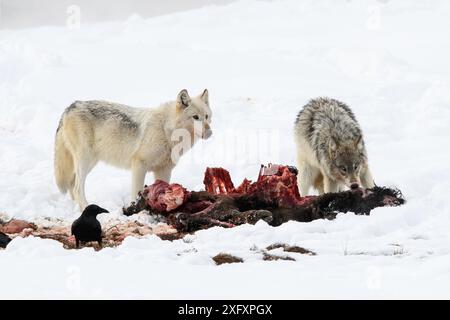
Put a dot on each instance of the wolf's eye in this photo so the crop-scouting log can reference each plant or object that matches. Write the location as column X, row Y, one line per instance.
column 343, row 169
column 356, row 166
column 195, row 117
column 206, row 117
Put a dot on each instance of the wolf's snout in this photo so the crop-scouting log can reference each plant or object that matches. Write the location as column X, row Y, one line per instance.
column 207, row 134
column 354, row 186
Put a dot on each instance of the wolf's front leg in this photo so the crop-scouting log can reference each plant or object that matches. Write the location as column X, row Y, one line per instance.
column 367, row 179
column 137, row 179
column 329, row 185
column 304, row 178
column 163, row 174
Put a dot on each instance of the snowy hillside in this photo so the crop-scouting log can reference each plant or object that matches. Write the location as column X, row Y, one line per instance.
column 261, row 61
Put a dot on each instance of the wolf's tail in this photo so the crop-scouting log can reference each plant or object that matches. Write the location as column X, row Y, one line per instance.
column 63, row 162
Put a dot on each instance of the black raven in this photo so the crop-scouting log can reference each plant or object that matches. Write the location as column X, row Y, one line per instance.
column 4, row 240
column 87, row 228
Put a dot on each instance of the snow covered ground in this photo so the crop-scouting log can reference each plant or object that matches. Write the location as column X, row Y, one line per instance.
column 261, row 61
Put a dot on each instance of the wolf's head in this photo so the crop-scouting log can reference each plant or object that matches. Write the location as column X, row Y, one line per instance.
column 194, row 114
column 348, row 158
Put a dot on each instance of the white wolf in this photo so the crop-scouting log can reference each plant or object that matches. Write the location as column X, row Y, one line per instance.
column 140, row 139
column 330, row 148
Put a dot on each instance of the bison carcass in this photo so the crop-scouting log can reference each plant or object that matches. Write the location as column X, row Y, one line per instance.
column 274, row 197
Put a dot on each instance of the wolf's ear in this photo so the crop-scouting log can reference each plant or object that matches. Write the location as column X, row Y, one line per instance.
column 332, row 148
column 359, row 143
column 183, row 99
column 205, row 96
column 333, row 145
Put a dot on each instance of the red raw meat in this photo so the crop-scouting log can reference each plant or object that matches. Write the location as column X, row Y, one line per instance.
column 218, row 181
column 276, row 185
column 16, row 226
column 164, row 197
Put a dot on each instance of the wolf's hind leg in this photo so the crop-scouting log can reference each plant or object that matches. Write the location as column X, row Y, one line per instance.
column 84, row 166
column 71, row 192
column 79, row 195
column 367, row 179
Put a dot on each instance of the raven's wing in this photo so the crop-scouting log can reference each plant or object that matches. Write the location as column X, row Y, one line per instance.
column 98, row 229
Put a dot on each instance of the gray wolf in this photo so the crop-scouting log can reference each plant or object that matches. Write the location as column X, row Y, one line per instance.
column 331, row 154
column 87, row 228
column 138, row 139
